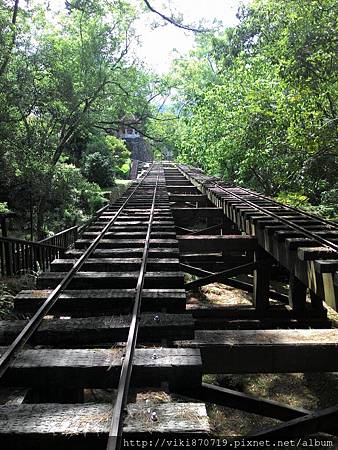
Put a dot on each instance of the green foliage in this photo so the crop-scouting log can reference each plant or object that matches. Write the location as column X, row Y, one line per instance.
column 4, row 207
column 64, row 80
column 258, row 104
column 72, row 197
column 105, row 156
column 98, row 168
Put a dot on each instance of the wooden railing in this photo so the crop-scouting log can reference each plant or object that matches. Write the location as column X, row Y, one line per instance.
column 83, row 227
column 63, row 239
column 18, row 256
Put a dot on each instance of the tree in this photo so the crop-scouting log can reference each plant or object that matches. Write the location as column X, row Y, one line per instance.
column 257, row 104
column 64, row 78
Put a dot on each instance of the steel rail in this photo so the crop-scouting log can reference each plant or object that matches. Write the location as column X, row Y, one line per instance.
column 292, row 208
column 116, row 426
column 36, row 320
column 307, row 233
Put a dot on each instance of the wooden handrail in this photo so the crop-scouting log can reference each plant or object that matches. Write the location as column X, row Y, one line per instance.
column 33, row 243
column 83, row 227
column 17, row 255
column 59, row 234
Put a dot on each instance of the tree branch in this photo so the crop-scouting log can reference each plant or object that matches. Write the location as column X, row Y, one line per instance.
column 9, row 51
column 173, row 21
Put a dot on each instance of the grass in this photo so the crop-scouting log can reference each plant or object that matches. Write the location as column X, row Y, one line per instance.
column 9, row 287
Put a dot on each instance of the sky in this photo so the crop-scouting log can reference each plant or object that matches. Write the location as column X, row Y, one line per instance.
column 161, row 45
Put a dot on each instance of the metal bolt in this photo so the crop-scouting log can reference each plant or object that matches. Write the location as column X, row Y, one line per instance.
column 154, row 356
column 153, row 416
column 156, row 318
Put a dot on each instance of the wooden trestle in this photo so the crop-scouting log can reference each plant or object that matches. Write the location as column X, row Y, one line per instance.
column 200, row 229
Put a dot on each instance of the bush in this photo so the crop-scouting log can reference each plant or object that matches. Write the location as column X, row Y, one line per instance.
column 98, row 168
column 73, row 197
column 105, row 157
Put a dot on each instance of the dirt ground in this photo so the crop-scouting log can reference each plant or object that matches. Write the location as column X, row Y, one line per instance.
column 307, row 390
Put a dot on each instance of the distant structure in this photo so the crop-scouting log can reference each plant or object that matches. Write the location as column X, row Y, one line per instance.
column 135, row 142
column 126, row 133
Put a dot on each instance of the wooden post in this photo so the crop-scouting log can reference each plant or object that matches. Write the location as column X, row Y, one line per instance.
column 261, row 280
column 297, row 294
column 3, row 227
column 317, row 304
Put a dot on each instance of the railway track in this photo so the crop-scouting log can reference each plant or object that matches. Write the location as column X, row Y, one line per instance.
column 110, row 318
column 121, row 283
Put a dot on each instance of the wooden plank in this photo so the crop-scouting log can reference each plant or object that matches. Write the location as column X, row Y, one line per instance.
column 131, row 236
column 182, row 189
column 239, row 400
column 90, row 280
column 260, row 324
column 322, row 420
column 266, row 351
column 98, row 330
column 66, row 427
column 187, row 214
column 90, row 302
column 125, row 243
column 326, row 266
column 131, row 227
column 119, row 264
column 13, row 396
column 211, row 243
column 312, row 253
column 187, row 197
column 135, row 252
column 100, row 368
column 218, row 277
column 247, row 287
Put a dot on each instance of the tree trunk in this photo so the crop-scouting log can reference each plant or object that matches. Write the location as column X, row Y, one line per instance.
column 40, row 219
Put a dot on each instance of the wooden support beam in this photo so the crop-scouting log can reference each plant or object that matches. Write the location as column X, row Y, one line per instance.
column 326, row 266
column 312, row 253
column 218, row 277
column 317, row 302
column 239, row 400
column 322, row 420
column 183, row 230
column 128, row 252
column 91, row 302
column 101, row 280
column 187, row 214
column 297, row 293
column 13, row 396
column 100, row 368
column 182, row 189
column 247, row 287
column 116, row 264
column 266, row 351
column 204, row 231
column 209, row 243
column 193, row 198
column 261, row 279
column 125, row 243
column 85, row 427
column 92, row 331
